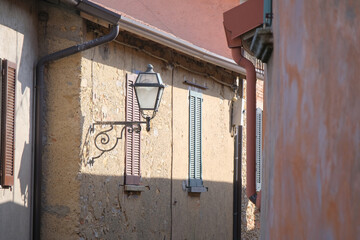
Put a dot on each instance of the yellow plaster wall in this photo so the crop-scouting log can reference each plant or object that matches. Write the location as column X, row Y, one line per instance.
column 86, row 200
column 107, row 211
column 206, row 215
column 60, row 185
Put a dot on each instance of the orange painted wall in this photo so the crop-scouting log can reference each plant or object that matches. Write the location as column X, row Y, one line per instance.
column 311, row 184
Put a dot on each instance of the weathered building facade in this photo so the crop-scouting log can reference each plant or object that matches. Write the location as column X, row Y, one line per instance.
column 64, row 186
column 84, row 197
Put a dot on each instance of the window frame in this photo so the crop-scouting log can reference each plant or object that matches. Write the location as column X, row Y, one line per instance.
column 195, row 158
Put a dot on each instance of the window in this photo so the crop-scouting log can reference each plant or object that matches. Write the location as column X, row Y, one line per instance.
column 259, row 118
column 8, row 87
column 132, row 150
column 195, row 183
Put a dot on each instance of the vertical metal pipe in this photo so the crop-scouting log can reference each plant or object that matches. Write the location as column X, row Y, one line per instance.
column 240, row 141
column 172, row 153
column 250, row 122
column 236, row 184
column 39, row 85
column 239, row 198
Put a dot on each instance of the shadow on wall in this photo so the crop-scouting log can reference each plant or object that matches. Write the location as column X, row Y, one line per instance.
column 12, row 216
column 107, row 212
column 24, row 172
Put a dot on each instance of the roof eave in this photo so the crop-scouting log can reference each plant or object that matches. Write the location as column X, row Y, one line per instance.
column 158, row 36
column 178, row 44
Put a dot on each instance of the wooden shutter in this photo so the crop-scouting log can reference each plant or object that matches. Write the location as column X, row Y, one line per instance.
column 7, row 123
column 132, row 155
column 195, row 139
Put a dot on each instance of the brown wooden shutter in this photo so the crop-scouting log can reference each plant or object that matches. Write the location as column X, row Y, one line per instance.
column 132, row 155
column 7, row 123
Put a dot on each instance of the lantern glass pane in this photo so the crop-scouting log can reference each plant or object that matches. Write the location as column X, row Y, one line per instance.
column 161, row 90
column 159, row 78
column 146, row 96
column 147, row 78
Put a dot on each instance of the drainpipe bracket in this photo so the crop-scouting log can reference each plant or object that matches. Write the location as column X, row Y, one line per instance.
column 262, row 44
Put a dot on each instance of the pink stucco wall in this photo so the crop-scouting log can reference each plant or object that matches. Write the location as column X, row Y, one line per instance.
column 199, row 22
column 312, row 119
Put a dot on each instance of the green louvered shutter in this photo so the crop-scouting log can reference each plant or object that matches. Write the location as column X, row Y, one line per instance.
column 195, row 131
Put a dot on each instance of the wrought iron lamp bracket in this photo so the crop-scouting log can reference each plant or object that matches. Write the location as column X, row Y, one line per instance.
column 104, row 139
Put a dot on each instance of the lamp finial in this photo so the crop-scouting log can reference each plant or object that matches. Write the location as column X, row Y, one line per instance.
column 150, row 68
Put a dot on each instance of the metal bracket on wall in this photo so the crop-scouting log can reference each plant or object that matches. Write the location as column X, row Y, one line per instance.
column 262, row 44
column 195, row 85
column 103, row 141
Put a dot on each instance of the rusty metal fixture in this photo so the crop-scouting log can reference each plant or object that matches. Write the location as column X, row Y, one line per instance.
column 102, row 139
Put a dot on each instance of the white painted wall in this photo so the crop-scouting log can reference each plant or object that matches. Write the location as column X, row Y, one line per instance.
column 18, row 43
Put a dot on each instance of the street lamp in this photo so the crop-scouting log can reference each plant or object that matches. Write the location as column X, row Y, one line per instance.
column 148, row 88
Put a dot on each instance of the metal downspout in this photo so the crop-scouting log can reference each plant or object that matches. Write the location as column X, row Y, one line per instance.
column 39, row 85
column 237, row 184
column 250, row 123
